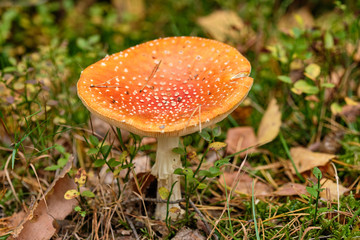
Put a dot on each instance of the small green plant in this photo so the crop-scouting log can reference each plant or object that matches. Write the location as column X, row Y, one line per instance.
column 80, row 211
column 80, row 180
column 193, row 180
column 99, row 153
column 315, row 190
column 61, row 162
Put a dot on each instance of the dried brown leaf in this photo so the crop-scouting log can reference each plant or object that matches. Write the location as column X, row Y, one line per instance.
column 188, row 234
column 290, row 189
column 244, row 185
column 331, row 188
column 305, row 159
column 270, row 124
column 242, row 113
column 40, row 221
column 223, row 25
column 240, row 138
column 351, row 112
column 134, row 7
column 330, row 144
column 301, row 18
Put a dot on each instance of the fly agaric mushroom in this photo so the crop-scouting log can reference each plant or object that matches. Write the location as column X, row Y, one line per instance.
column 167, row 88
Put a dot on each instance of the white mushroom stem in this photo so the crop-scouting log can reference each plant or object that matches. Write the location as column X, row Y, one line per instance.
column 166, row 162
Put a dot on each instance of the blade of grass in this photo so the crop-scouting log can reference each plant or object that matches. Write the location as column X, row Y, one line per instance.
column 253, row 211
column 228, row 207
column 286, row 148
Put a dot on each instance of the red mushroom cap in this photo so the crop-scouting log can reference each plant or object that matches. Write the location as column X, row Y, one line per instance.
column 167, row 87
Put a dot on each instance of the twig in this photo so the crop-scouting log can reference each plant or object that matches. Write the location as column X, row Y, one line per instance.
column 208, row 229
column 103, row 86
column 37, row 179
column 152, row 74
column 154, row 200
column 200, row 118
column 9, row 179
column 192, row 114
column 132, row 227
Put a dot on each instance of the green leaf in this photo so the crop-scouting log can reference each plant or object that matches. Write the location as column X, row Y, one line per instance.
column 305, row 87
column 62, row 162
column 201, row 186
column 164, row 193
column 92, row 151
column 188, row 172
column 93, row 39
column 328, row 40
column 99, row 163
column 317, row 173
column 328, row 85
column 88, row 193
column 179, row 171
column 127, row 166
column 297, row 32
column 204, row 173
column 82, row 44
column 214, row 172
column 117, row 171
column 179, row 150
column 105, row 150
column 221, row 162
column 216, row 146
column 77, row 208
column 205, row 135
column 285, row 79
column 113, row 163
column 187, row 141
column 312, row 191
column 93, row 140
column 60, row 148
column 52, row 168
column 216, row 131
column 123, row 156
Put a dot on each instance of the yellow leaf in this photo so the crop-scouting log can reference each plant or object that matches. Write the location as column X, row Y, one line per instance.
column 80, row 177
column 350, row 102
column 270, row 124
column 174, row 210
column 164, row 193
column 216, row 146
column 335, row 108
column 312, row 71
column 71, row 194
